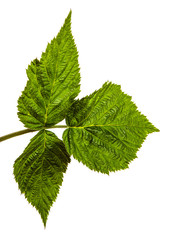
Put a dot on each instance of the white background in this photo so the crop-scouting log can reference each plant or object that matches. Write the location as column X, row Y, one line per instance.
column 128, row 43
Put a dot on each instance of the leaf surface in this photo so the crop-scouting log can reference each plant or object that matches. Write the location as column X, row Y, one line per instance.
column 105, row 129
column 39, row 171
column 53, row 82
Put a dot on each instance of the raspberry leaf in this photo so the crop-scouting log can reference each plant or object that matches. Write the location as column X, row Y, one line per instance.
column 53, row 82
column 39, row 171
column 106, row 129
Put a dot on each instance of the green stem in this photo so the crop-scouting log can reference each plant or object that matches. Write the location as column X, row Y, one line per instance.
column 15, row 134
column 59, row 126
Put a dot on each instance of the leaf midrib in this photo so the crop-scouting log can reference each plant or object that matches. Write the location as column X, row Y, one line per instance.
column 53, row 84
column 110, row 125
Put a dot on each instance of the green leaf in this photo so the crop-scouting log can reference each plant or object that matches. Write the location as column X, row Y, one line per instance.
column 53, row 82
column 106, row 129
column 39, row 171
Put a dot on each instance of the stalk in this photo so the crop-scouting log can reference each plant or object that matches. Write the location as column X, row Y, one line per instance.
column 21, row 132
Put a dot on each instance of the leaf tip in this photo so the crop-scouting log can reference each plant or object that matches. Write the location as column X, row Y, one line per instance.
column 44, row 223
column 43, row 215
column 157, row 130
column 69, row 15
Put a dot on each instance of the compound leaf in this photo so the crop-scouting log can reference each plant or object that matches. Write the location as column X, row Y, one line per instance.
column 39, row 171
column 105, row 129
column 53, row 82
